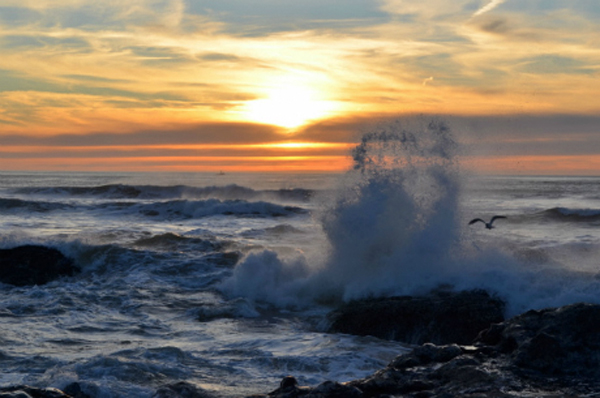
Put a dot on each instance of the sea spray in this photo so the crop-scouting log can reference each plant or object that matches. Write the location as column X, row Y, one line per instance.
column 391, row 228
column 394, row 228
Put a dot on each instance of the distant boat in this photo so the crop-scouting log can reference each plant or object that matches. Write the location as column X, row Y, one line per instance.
column 221, row 173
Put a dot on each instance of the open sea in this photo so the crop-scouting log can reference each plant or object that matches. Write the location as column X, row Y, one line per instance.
column 224, row 280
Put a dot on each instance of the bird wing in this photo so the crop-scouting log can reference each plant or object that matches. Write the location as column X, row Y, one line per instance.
column 495, row 218
column 475, row 220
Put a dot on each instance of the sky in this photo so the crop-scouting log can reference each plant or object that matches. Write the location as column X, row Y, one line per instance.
column 281, row 85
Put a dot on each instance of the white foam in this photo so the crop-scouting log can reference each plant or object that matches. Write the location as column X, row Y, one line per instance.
column 393, row 228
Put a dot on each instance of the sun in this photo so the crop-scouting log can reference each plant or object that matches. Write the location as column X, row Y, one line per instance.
column 289, row 107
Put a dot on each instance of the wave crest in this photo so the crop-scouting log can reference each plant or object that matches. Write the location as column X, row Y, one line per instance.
column 390, row 229
column 121, row 191
column 564, row 213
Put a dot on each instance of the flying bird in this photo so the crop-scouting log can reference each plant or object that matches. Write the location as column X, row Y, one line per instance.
column 488, row 225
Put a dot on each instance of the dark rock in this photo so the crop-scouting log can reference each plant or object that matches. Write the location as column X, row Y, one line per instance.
column 31, row 392
column 441, row 317
column 182, row 390
column 75, row 390
column 563, row 341
column 288, row 382
column 426, row 354
column 548, row 354
column 33, row 265
column 332, row 389
column 289, row 388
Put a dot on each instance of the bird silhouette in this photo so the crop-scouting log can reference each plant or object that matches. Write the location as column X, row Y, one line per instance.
column 488, row 225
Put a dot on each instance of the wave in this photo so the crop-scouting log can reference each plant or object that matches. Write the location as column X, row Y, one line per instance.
column 167, row 210
column 111, row 191
column 237, row 308
column 120, row 191
column 185, row 209
column 394, row 229
column 166, row 255
column 278, row 230
column 567, row 214
column 171, row 241
column 30, row 205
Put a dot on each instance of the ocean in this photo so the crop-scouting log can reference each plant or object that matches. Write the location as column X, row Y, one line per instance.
column 224, row 280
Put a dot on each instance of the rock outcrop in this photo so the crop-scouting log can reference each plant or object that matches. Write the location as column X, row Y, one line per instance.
column 442, row 317
column 34, row 265
column 547, row 354
column 556, row 342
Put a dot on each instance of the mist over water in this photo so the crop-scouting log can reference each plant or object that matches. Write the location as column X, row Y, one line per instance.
column 395, row 226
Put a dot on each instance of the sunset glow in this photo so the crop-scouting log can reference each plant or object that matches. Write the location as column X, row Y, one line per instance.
column 81, row 80
column 289, row 107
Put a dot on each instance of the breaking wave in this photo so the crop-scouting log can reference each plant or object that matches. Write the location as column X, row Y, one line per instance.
column 120, row 191
column 203, row 208
column 9, row 204
column 567, row 214
column 393, row 228
column 167, row 210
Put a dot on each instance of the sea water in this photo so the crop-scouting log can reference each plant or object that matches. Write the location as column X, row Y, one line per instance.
column 224, row 280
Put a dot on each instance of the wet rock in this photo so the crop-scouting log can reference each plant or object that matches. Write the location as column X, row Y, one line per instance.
column 442, row 317
column 563, row 341
column 75, row 390
column 182, row 390
column 332, row 389
column 31, row 392
column 288, row 388
column 426, row 354
column 34, row 265
column 548, row 354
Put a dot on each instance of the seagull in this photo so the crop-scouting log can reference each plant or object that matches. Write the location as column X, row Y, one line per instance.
column 488, row 225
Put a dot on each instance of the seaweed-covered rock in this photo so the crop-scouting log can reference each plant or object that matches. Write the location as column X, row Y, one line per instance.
column 442, row 317
column 34, row 265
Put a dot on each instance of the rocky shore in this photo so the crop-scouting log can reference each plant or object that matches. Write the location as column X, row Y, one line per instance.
column 548, row 353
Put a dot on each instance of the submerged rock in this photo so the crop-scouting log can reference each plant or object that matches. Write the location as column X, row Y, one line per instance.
column 546, row 354
column 33, row 265
column 442, row 317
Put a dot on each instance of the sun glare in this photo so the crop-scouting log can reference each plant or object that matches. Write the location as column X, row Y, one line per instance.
column 289, row 107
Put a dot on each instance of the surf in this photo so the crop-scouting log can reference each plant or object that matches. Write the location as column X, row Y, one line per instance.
column 395, row 226
column 390, row 227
